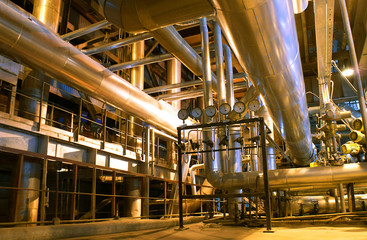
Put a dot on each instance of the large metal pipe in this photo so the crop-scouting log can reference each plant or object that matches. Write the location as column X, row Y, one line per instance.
column 205, row 64
column 174, row 77
column 293, row 177
column 174, row 43
column 136, row 16
column 263, row 37
column 299, row 5
column 34, row 45
column 270, row 151
column 221, row 85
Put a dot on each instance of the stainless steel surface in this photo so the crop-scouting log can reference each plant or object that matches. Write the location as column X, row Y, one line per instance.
column 353, row 57
column 293, row 177
column 133, row 202
column 299, row 5
column 194, row 93
column 229, row 75
column 206, row 69
column 173, row 86
column 270, row 151
column 27, row 208
column 341, row 197
column 221, row 84
column 136, row 16
column 263, row 37
column 118, row 43
column 137, row 80
column 86, row 30
column 174, row 77
column 174, row 43
column 141, row 62
column 21, row 38
column 48, row 12
column 324, row 22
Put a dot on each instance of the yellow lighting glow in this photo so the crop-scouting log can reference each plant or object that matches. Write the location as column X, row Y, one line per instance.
column 348, row 72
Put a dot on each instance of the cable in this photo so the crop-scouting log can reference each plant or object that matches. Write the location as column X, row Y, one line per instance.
column 312, row 94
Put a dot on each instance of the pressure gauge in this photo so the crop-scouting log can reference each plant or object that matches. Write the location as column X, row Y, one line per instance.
column 183, row 114
column 239, row 107
column 210, row 111
column 254, row 105
column 224, row 108
column 196, row 113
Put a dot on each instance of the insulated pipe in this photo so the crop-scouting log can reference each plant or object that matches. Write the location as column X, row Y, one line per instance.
column 174, row 43
column 263, row 112
column 221, row 85
column 48, row 12
column 229, row 75
column 33, row 44
column 262, row 34
column 136, row 16
column 206, row 69
column 174, row 77
column 293, row 177
column 353, row 57
column 299, row 5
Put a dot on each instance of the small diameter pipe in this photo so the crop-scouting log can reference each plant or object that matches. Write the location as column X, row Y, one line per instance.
column 353, row 57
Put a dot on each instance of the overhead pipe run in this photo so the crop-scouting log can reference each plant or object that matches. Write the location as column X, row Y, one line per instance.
column 136, row 16
column 86, row 30
column 21, row 38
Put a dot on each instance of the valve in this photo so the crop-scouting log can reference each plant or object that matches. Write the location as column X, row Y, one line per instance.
column 351, row 148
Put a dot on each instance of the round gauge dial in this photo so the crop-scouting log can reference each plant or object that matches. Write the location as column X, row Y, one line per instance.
column 225, row 108
column 357, row 124
column 183, row 114
column 210, row 111
column 196, row 113
column 239, row 107
column 254, row 105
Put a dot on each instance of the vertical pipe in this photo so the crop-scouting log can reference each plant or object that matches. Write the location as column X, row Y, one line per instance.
column 174, row 77
column 265, row 173
column 65, row 17
column 113, row 201
column 134, row 200
column 351, row 198
column 94, row 190
column 73, row 196
column 137, row 80
column 353, row 57
column 341, row 196
column 43, row 188
column 221, row 89
column 208, row 94
column 229, row 75
column 179, row 168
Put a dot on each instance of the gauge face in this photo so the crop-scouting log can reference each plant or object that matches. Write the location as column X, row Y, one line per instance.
column 183, row 114
column 225, row 108
column 254, row 105
column 239, row 107
column 196, row 113
column 210, row 111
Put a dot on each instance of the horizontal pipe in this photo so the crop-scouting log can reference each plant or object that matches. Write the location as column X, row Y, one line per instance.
column 117, row 44
column 86, row 30
column 21, row 38
column 188, row 94
column 293, row 177
column 146, row 15
column 141, row 62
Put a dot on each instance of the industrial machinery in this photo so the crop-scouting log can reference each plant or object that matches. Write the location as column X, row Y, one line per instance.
column 157, row 109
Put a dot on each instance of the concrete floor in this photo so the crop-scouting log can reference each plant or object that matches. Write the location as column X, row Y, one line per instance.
column 213, row 231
